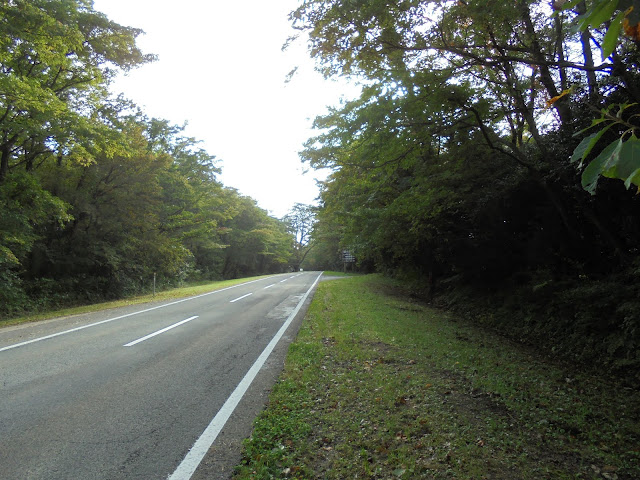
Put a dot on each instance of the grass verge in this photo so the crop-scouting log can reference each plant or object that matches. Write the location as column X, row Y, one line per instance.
column 339, row 274
column 166, row 295
column 379, row 386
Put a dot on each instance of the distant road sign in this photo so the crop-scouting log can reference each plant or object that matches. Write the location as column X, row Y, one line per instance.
column 348, row 257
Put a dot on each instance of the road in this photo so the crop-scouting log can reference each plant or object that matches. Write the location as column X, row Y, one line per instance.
column 139, row 392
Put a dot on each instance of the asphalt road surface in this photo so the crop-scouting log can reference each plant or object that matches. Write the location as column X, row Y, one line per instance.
column 144, row 392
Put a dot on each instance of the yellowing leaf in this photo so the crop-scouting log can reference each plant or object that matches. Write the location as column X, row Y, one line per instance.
column 553, row 100
column 631, row 29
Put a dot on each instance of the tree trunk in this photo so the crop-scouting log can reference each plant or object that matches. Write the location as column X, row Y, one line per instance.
column 630, row 84
column 587, row 53
column 564, row 83
column 546, row 78
column 5, row 152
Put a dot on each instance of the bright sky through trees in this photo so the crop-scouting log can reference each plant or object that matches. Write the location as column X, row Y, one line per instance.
column 222, row 70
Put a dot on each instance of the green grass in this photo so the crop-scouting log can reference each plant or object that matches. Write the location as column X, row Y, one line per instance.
column 182, row 292
column 379, row 386
column 339, row 274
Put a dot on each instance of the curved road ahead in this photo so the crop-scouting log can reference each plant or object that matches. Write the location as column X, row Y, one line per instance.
column 139, row 392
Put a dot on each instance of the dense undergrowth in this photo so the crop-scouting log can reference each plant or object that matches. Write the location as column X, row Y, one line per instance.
column 591, row 321
column 482, row 168
column 162, row 294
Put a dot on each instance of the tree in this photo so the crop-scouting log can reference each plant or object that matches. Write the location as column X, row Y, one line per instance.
column 468, row 65
column 194, row 203
column 621, row 158
column 434, row 72
column 453, row 167
column 25, row 209
column 497, row 64
column 56, row 58
column 255, row 242
column 300, row 221
column 115, row 242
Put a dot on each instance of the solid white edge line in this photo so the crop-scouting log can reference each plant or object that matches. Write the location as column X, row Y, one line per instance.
column 199, row 449
column 240, row 298
column 47, row 337
column 151, row 335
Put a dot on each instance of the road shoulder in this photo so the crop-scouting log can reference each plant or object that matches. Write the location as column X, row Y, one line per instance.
column 226, row 452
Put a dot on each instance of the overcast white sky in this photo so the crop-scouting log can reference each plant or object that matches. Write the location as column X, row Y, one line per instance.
column 222, row 70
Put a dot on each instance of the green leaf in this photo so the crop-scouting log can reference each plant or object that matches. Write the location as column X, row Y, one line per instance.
column 621, row 160
column 627, row 163
column 634, row 178
column 623, row 107
column 594, row 122
column 601, row 163
column 602, row 12
column 581, row 150
column 586, row 145
column 610, row 41
column 7, row 257
column 569, row 5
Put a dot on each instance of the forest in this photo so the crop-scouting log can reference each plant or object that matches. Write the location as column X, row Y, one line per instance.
column 95, row 197
column 492, row 162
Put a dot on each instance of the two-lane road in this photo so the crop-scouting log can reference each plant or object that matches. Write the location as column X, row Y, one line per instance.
column 136, row 393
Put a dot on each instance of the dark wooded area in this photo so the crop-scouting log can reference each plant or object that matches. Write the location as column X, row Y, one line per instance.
column 492, row 160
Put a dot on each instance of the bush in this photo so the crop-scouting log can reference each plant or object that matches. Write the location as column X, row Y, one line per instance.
column 589, row 320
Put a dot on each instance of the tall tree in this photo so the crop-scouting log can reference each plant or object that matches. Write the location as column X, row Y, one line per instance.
column 300, row 221
column 453, row 168
column 56, row 59
column 255, row 242
column 115, row 242
column 445, row 76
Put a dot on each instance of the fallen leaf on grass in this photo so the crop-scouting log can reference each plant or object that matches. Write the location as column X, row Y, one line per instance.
column 608, row 471
column 382, row 449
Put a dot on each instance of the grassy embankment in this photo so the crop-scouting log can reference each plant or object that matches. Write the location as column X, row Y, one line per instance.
column 165, row 295
column 379, row 386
